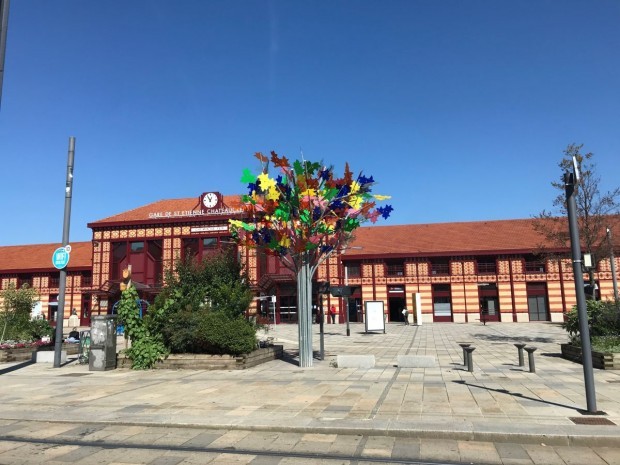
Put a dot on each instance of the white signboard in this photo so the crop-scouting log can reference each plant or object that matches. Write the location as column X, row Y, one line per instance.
column 417, row 308
column 375, row 321
column 199, row 229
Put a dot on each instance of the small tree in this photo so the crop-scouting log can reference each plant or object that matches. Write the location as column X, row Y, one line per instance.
column 17, row 305
column 146, row 347
column 217, row 283
column 593, row 209
column 302, row 216
column 201, row 307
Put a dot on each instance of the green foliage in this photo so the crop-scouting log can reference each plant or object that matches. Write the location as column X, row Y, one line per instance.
column 17, row 305
column 146, row 348
column 39, row 328
column 607, row 344
column 213, row 291
column 603, row 320
column 210, row 332
column 200, row 310
column 146, row 351
column 216, row 283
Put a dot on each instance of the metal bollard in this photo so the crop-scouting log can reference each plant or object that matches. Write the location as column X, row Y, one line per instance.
column 463, row 345
column 530, row 358
column 470, row 358
column 520, row 347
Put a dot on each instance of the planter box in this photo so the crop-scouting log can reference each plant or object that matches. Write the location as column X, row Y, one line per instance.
column 17, row 355
column 211, row 362
column 25, row 354
column 601, row 360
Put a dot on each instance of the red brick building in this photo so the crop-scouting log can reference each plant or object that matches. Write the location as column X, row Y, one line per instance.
column 453, row 270
column 32, row 265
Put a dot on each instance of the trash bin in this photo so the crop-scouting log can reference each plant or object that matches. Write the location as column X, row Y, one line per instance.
column 102, row 354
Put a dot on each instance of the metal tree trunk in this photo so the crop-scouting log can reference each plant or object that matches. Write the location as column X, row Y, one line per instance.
column 304, row 313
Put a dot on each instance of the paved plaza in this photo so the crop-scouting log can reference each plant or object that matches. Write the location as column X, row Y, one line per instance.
column 499, row 402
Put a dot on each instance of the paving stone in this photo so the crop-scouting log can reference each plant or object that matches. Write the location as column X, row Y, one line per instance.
column 543, row 455
column 437, row 449
column 579, row 455
column 416, row 361
column 167, row 460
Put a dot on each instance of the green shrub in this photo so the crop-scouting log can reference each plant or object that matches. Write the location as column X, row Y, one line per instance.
column 146, row 351
column 17, row 305
column 40, row 327
column 606, row 344
column 146, row 347
column 603, row 320
column 209, row 333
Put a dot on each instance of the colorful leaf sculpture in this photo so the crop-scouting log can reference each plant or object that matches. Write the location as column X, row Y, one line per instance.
column 305, row 207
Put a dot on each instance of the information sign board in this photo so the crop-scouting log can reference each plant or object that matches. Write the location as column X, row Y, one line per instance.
column 375, row 320
column 60, row 257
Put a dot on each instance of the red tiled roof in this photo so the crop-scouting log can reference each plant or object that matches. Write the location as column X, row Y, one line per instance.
column 171, row 205
column 38, row 257
column 460, row 238
column 447, row 238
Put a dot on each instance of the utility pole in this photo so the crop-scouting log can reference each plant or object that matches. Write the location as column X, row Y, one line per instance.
column 4, row 25
column 65, row 241
column 570, row 182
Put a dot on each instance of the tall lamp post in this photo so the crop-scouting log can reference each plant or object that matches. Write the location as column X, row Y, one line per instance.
column 570, row 182
column 613, row 263
column 346, row 284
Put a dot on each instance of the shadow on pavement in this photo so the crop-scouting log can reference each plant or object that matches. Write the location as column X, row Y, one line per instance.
column 16, row 367
column 291, row 357
column 512, row 339
column 517, row 394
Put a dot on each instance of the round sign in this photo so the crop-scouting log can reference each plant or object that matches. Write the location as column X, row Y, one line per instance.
column 60, row 258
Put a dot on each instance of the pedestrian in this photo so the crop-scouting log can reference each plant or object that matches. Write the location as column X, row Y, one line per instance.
column 332, row 314
column 405, row 313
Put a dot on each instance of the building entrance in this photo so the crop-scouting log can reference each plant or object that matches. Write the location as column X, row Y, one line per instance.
column 396, row 305
column 537, row 302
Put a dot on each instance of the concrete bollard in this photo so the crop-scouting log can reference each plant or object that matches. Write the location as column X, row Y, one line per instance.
column 530, row 358
column 470, row 358
column 520, row 347
column 463, row 345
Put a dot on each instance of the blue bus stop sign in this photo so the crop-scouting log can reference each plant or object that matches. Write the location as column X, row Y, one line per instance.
column 60, row 257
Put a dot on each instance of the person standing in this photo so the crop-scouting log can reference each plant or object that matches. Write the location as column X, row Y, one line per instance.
column 332, row 314
column 405, row 313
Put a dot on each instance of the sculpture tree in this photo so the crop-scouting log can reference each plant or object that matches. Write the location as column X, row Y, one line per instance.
column 302, row 216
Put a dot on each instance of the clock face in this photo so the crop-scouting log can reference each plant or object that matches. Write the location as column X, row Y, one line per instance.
column 210, row 199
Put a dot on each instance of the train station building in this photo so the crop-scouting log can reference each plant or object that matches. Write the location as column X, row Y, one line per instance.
column 453, row 272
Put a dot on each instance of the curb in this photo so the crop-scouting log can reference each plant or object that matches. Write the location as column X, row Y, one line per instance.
column 568, row 436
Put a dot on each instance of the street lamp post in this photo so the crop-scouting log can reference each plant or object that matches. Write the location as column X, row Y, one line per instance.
column 613, row 263
column 346, row 283
column 570, row 182
column 346, row 299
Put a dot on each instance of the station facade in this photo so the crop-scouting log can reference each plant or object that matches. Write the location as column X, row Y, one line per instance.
column 455, row 272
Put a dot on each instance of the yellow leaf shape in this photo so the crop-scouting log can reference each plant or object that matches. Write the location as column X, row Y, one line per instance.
column 266, row 183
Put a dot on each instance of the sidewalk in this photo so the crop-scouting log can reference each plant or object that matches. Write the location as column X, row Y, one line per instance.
column 498, row 402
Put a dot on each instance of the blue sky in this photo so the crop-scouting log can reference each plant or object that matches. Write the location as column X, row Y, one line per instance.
column 459, row 109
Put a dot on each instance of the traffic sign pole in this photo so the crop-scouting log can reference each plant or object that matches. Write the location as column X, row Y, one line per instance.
column 60, row 313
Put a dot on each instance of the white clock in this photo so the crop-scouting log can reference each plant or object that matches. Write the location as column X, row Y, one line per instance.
column 210, row 199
